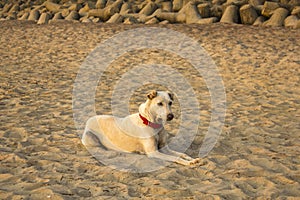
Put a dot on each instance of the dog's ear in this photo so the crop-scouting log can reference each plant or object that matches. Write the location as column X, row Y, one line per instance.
column 171, row 95
column 151, row 95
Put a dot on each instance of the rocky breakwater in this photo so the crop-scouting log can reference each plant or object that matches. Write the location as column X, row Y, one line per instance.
column 274, row 13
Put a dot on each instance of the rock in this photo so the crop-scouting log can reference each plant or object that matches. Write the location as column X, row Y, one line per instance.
column 44, row 18
column 172, row 17
column 177, row 5
column 12, row 16
column 153, row 20
column 86, row 20
column 56, row 21
column 216, row 11
column 75, row 7
column 103, row 14
column 34, row 15
column 131, row 20
column 65, row 12
column 218, row 2
column 141, row 18
column 204, row 10
column 166, row 6
column 256, row 2
column 116, row 6
column 14, row 8
column 7, row 7
column 107, row 12
column 191, row 13
column 237, row 3
column 58, row 16
column 291, row 21
column 259, row 21
column 116, row 18
column 296, row 11
column 96, row 20
column 298, row 24
column 294, row 3
column 73, row 16
column 269, row 8
column 210, row 20
column 125, row 8
column 164, row 22
column 248, row 14
column 53, row 7
column 277, row 18
column 84, row 10
column 24, row 16
column 230, row 15
column 148, row 9
column 100, row 4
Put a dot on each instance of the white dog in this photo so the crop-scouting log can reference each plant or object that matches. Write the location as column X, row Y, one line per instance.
column 142, row 132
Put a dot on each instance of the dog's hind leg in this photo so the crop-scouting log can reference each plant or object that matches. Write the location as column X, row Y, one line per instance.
column 89, row 139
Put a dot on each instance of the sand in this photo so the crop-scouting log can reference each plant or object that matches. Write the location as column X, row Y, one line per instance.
column 256, row 156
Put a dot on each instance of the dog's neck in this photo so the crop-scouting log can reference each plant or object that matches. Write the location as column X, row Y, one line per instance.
column 147, row 117
column 148, row 123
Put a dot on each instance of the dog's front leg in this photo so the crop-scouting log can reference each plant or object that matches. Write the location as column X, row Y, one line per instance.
column 170, row 158
column 167, row 150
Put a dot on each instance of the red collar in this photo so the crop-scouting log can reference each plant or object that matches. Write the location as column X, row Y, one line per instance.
column 148, row 123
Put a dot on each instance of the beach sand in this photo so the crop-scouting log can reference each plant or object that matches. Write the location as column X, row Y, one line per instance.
column 257, row 155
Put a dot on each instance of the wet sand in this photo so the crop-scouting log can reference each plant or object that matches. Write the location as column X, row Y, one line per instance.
column 256, row 156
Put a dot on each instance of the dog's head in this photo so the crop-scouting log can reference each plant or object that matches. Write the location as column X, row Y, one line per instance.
column 159, row 105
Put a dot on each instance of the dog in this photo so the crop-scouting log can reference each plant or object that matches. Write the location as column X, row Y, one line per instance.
column 142, row 132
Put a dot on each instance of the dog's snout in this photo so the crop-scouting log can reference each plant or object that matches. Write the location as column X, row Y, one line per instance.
column 170, row 117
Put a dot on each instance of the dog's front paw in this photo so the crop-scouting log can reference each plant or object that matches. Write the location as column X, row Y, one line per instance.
column 186, row 157
column 195, row 161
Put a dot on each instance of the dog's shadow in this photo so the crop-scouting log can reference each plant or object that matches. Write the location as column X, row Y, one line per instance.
column 129, row 162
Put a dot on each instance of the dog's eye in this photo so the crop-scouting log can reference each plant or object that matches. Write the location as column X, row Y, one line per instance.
column 160, row 103
column 170, row 103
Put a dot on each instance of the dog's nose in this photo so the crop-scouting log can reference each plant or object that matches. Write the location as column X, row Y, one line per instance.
column 170, row 117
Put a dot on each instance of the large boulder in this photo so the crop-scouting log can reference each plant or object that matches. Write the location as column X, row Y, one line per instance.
column 269, row 8
column 256, row 2
column 53, row 7
column 248, row 14
column 116, row 18
column 230, row 15
column 291, row 21
column 204, row 10
column 100, row 4
column 259, row 21
column 296, row 11
column 207, row 20
column 107, row 12
column 44, row 18
column 153, row 20
column 34, row 15
column 191, row 12
column 166, row 6
column 73, row 16
column 24, row 16
column 277, row 18
column 148, row 9
column 177, row 5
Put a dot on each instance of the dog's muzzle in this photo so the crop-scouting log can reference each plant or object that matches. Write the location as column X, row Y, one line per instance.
column 170, row 117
